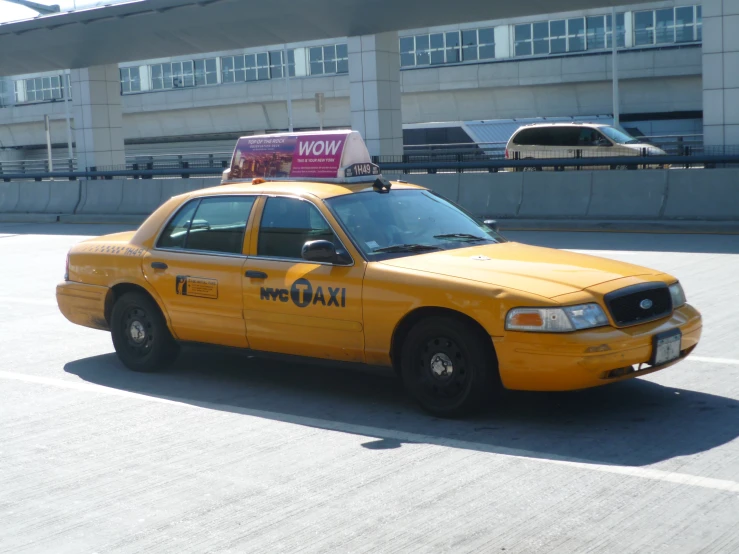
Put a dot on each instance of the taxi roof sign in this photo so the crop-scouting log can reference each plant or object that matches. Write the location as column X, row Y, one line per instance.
column 331, row 156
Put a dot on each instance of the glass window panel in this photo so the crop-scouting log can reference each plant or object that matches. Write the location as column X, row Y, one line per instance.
column 422, row 42
column 228, row 77
column 541, row 30
column 487, row 52
column 39, row 83
column 469, row 53
column 329, row 53
column 342, row 66
column 407, row 60
column 56, row 93
column 263, row 73
column 452, row 39
column 125, row 88
column 47, row 82
column 189, row 80
column 558, row 46
column 275, row 58
column 422, row 58
column 665, row 29
column 251, row 74
column 643, row 28
column 316, row 54
column 576, row 26
column 469, row 38
column 210, row 65
column 523, row 32
column 406, row 45
column 240, row 75
column 175, row 233
column 176, row 70
column 523, row 49
column 556, row 29
column 437, row 56
column 576, row 44
column 47, row 94
column 136, row 85
column 487, row 36
column 453, row 55
column 684, row 16
column 342, row 51
column 262, row 59
column 437, row 40
column 227, row 64
column 329, row 67
column 316, row 68
column 275, row 72
column 541, row 47
column 596, row 33
column 250, row 61
column 224, row 224
column 287, row 224
column 55, row 82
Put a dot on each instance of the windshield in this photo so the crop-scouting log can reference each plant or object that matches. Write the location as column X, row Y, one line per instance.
column 618, row 136
column 406, row 222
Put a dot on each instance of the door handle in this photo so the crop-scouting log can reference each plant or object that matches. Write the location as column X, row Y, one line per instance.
column 159, row 265
column 256, row 274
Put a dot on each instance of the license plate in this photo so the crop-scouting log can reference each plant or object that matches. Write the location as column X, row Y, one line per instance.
column 666, row 347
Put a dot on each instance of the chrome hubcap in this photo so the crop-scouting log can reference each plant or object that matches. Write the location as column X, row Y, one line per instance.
column 441, row 365
column 137, row 332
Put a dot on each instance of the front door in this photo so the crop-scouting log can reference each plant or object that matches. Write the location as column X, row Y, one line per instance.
column 197, row 270
column 293, row 306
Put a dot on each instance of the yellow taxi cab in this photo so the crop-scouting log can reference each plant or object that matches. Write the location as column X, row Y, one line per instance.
column 306, row 250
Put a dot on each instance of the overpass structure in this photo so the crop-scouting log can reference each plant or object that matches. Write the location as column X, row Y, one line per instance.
column 92, row 42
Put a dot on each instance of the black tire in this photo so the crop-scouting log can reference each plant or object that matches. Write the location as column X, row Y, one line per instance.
column 154, row 348
column 429, row 349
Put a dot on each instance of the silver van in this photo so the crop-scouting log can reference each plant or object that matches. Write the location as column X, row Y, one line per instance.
column 577, row 140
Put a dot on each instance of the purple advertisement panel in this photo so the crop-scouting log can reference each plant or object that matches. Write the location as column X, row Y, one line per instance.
column 318, row 156
column 283, row 156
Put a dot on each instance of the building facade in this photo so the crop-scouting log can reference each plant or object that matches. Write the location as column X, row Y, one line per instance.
column 555, row 65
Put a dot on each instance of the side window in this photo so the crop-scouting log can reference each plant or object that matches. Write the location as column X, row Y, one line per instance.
column 523, row 138
column 219, row 224
column 211, row 224
column 287, row 224
column 175, row 234
column 570, row 136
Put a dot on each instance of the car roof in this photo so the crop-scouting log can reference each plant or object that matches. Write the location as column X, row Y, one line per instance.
column 531, row 125
column 316, row 189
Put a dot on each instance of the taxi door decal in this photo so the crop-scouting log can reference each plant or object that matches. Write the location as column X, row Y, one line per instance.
column 302, row 295
column 200, row 287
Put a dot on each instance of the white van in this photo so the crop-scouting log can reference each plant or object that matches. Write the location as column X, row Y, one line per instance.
column 576, row 140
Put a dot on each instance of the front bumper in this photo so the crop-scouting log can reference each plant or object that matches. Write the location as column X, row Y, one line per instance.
column 584, row 359
column 83, row 304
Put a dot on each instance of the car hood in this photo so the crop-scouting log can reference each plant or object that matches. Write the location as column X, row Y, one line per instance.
column 543, row 271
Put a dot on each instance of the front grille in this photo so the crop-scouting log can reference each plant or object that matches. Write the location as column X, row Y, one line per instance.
column 626, row 305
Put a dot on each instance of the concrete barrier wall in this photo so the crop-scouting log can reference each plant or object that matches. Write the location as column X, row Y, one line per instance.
column 699, row 195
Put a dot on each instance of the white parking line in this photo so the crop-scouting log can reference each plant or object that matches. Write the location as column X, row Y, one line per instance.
column 713, row 360
column 362, row 430
column 29, row 301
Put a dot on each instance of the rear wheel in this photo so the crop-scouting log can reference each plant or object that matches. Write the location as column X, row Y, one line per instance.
column 140, row 334
column 447, row 367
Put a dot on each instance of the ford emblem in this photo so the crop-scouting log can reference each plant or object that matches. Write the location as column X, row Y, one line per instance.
column 646, row 304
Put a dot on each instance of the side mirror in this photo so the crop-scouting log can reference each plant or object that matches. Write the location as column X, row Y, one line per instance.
column 319, row 251
column 492, row 224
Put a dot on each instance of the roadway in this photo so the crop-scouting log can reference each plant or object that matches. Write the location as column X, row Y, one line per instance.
column 228, row 453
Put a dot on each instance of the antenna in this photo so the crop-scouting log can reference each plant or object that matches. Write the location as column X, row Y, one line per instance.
column 41, row 9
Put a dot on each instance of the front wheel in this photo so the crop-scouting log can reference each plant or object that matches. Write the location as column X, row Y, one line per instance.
column 140, row 334
column 447, row 367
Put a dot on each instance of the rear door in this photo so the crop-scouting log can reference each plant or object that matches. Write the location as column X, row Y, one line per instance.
column 197, row 269
column 293, row 306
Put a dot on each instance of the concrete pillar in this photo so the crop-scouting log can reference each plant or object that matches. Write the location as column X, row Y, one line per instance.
column 374, row 92
column 98, row 116
column 721, row 72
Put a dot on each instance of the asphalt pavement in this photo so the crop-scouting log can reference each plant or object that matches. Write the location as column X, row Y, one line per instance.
column 225, row 452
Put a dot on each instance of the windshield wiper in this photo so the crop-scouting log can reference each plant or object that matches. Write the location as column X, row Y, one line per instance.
column 407, row 248
column 462, row 236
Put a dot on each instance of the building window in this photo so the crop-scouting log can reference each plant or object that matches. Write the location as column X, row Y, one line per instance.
column 43, row 89
column 256, row 66
column 172, row 75
column 206, row 72
column 567, row 35
column 130, row 80
column 276, row 63
column 668, row 25
column 450, row 47
column 329, row 60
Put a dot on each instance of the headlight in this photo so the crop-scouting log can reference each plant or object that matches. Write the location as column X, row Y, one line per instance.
column 556, row 320
column 678, row 296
